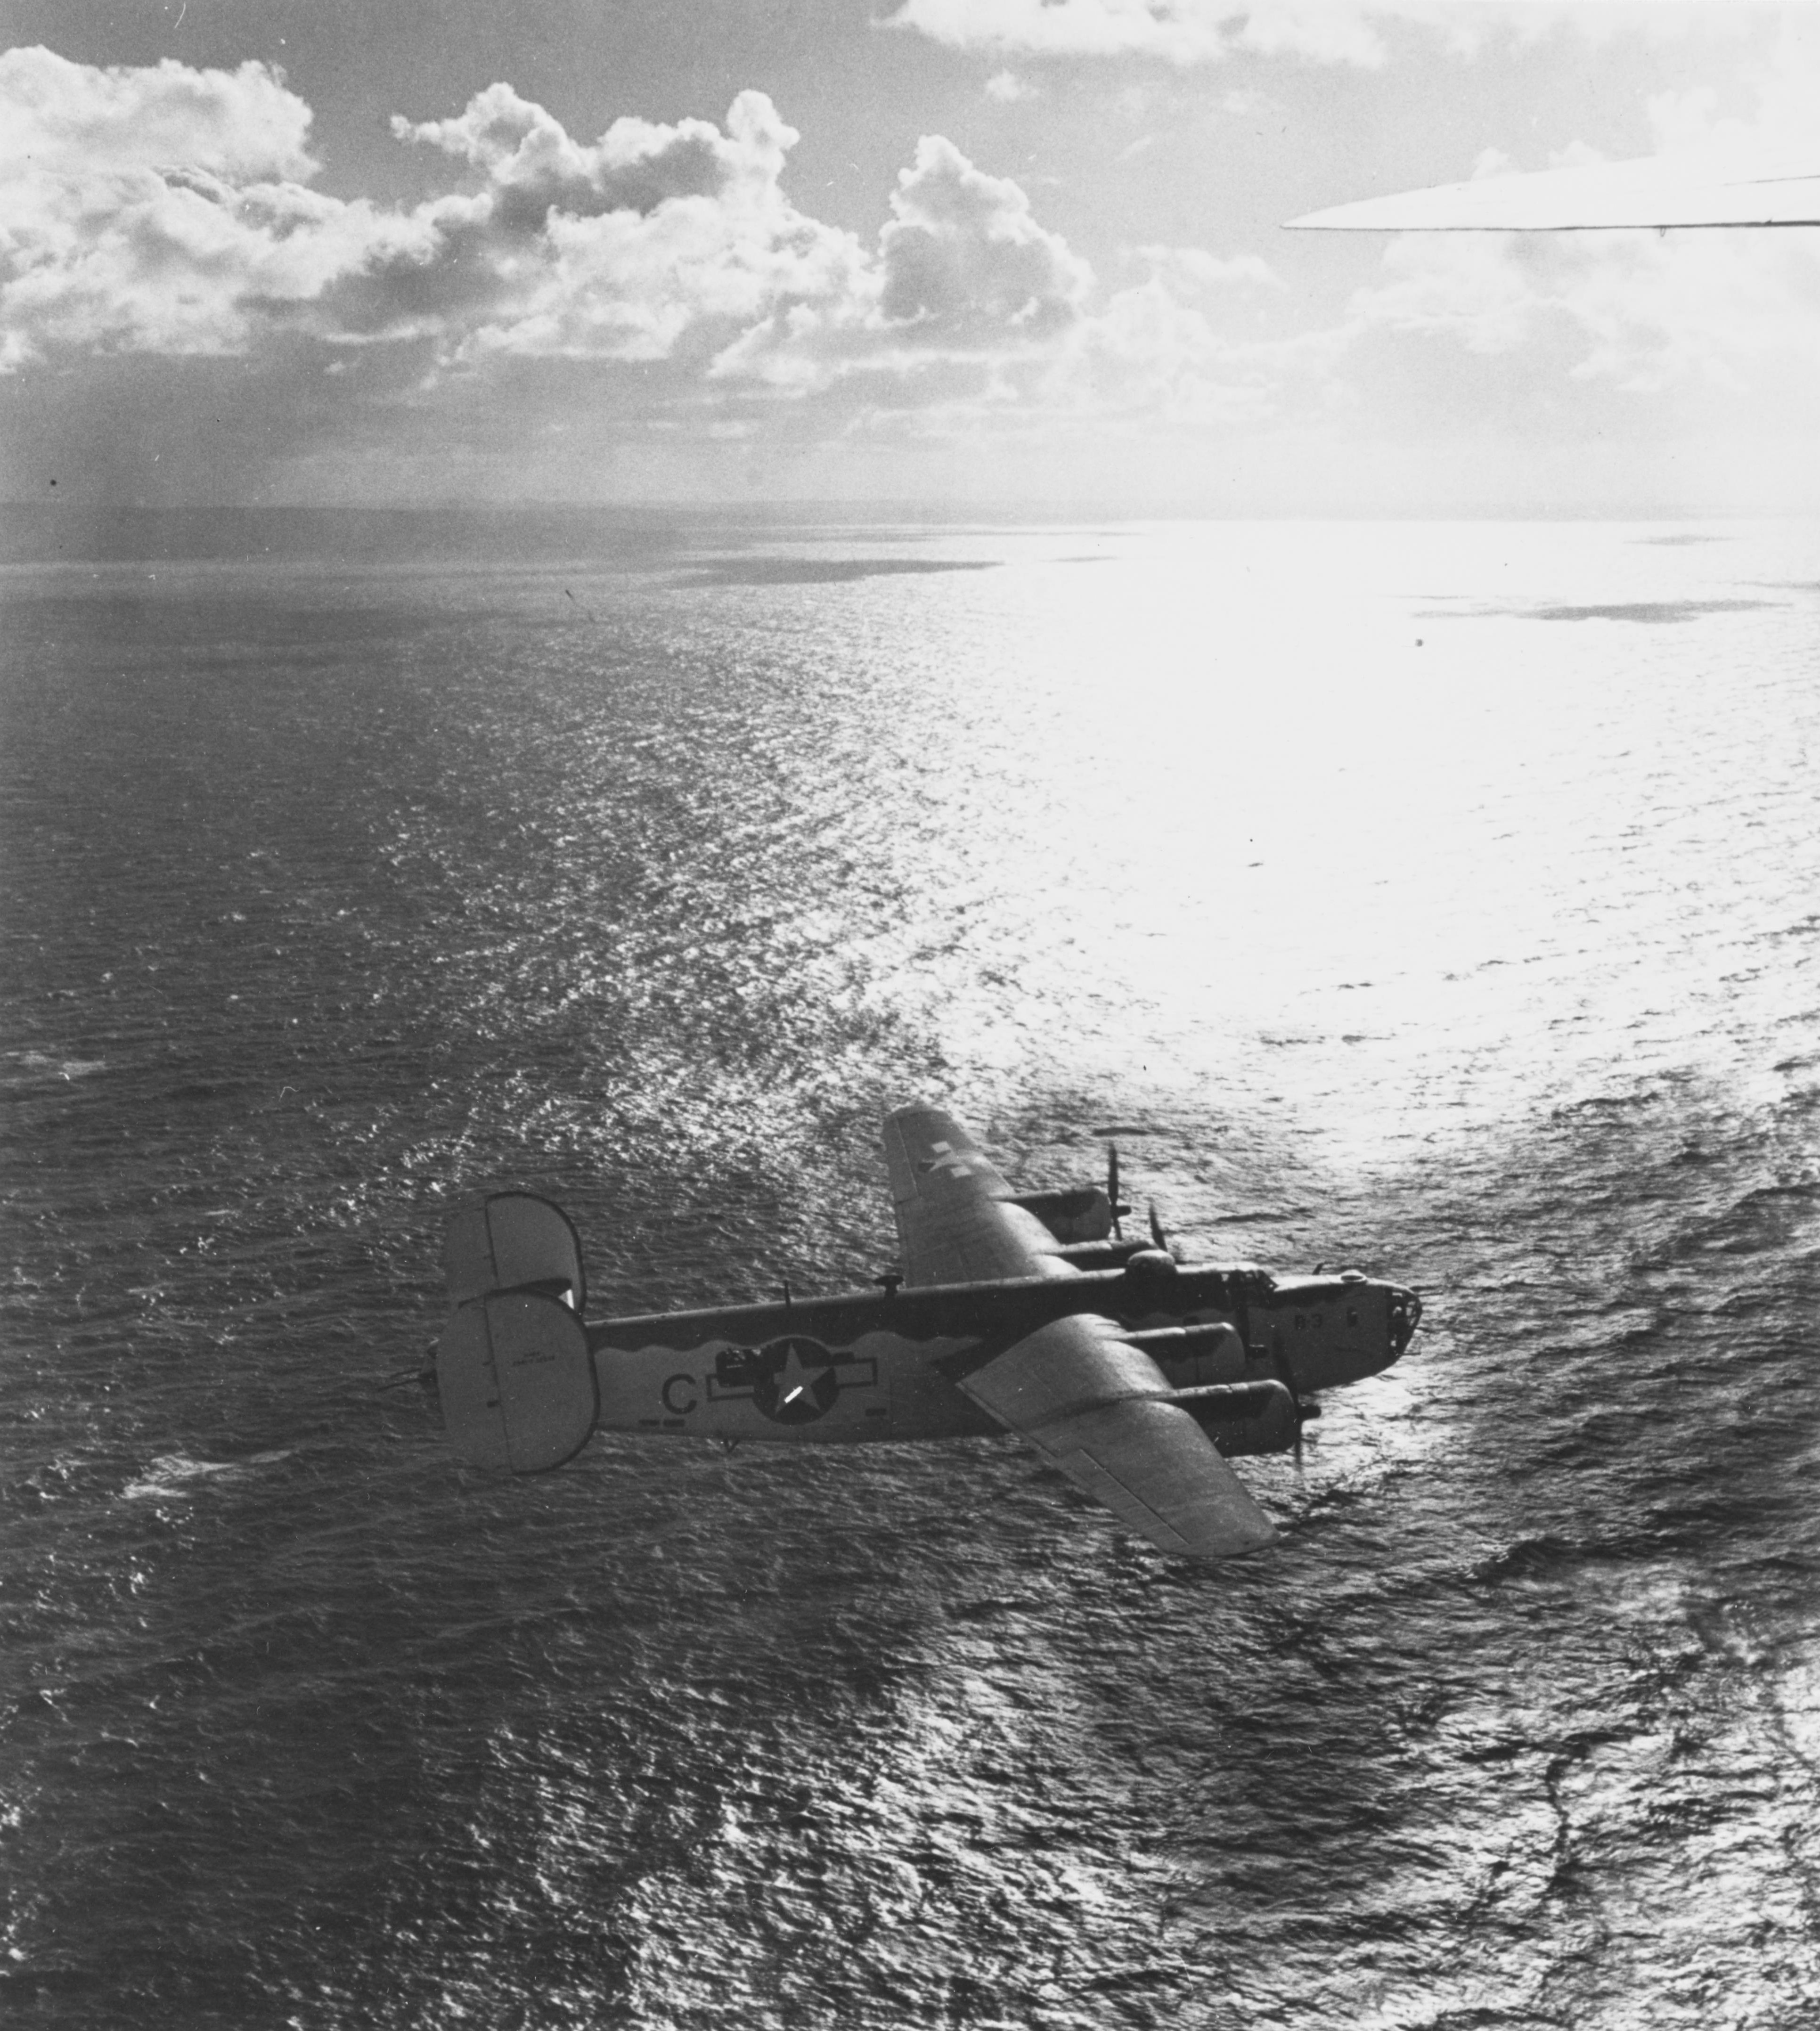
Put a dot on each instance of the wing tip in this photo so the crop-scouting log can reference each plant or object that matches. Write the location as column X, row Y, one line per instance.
column 1244, row 1548
column 1234, row 1537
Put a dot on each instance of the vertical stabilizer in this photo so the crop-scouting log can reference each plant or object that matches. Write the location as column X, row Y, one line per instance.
column 515, row 1241
column 516, row 1382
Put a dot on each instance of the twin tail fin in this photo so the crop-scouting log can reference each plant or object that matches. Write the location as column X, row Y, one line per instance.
column 513, row 1369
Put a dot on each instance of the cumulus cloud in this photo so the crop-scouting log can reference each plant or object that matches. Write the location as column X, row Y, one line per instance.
column 974, row 316
column 168, row 210
column 241, row 125
column 616, row 250
column 158, row 209
column 964, row 258
column 1150, row 354
column 962, row 270
column 532, row 168
column 1189, row 268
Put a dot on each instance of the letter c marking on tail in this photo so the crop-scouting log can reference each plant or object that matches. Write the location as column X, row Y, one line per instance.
column 676, row 1385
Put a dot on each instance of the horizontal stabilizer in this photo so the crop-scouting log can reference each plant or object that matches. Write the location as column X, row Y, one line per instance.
column 516, row 1382
column 514, row 1241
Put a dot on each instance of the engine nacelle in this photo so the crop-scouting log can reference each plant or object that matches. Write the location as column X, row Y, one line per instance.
column 1241, row 1417
column 1193, row 1357
column 1078, row 1212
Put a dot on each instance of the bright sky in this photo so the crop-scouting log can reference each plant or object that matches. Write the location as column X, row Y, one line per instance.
column 932, row 251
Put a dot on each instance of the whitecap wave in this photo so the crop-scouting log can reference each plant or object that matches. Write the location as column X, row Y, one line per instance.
column 177, row 1474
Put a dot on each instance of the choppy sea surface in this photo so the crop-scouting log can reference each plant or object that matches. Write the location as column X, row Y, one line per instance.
column 1444, row 901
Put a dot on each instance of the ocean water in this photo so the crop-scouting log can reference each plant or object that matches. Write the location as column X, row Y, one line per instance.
column 1442, row 900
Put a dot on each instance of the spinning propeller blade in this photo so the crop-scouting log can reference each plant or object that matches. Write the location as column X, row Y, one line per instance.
column 1304, row 1411
column 1112, row 1187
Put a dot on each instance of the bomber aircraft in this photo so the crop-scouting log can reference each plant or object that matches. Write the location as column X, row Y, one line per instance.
column 1032, row 1313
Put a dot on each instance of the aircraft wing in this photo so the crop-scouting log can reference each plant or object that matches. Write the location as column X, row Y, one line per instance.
column 958, row 1220
column 1654, row 191
column 1097, row 1407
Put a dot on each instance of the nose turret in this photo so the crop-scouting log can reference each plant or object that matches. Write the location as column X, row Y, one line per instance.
column 1328, row 1330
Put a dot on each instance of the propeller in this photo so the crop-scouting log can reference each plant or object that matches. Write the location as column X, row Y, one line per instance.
column 1157, row 1234
column 1307, row 1409
column 1112, row 1188
column 1287, row 1376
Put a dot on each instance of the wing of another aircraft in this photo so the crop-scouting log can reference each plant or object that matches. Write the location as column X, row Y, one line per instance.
column 958, row 1219
column 1098, row 1408
column 1595, row 197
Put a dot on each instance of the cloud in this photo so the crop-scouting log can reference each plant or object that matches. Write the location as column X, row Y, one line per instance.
column 1007, row 87
column 1149, row 355
column 1188, row 270
column 171, row 215
column 1180, row 32
column 1176, row 32
column 1642, row 312
column 616, row 251
column 532, row 168
column 242, row 125
column 963, row 259
column 1197, row 32
column 1031, row 360
column 963, row 271
column 158, row 210
column 168, row 210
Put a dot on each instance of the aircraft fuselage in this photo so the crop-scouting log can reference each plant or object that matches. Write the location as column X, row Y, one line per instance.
column 878, row 1365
